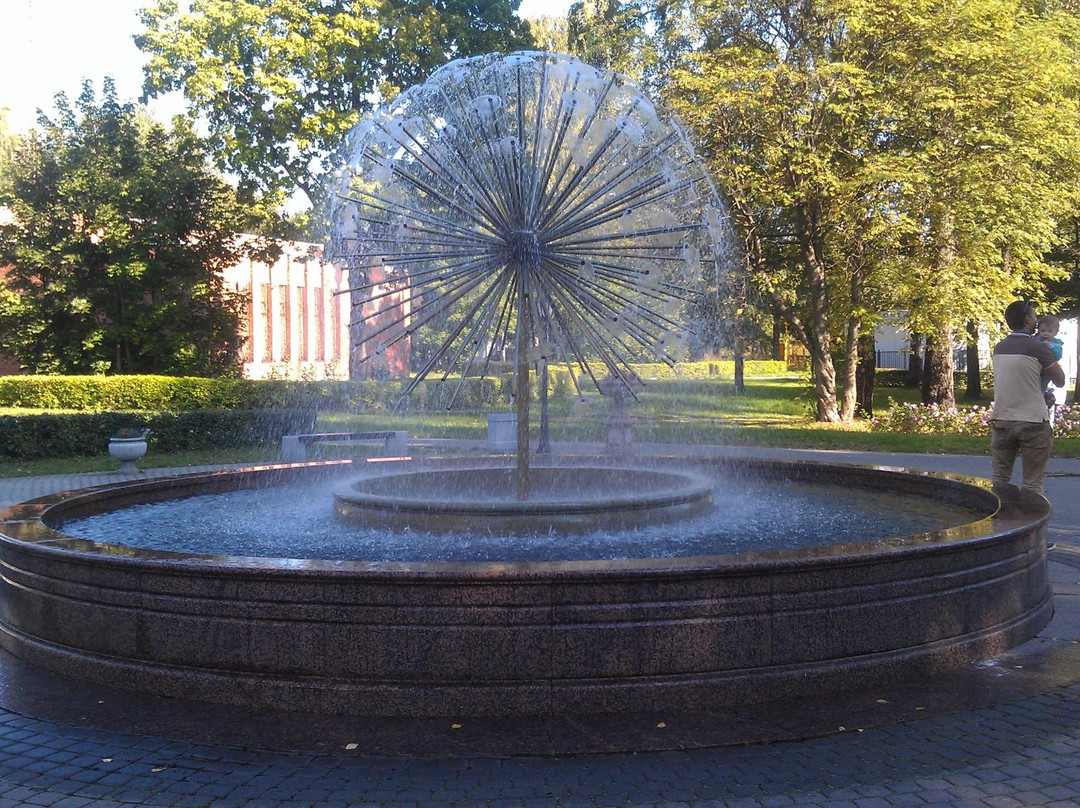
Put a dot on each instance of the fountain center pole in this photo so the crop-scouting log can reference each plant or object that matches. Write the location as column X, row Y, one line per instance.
column 524, row 257
column 524, row 341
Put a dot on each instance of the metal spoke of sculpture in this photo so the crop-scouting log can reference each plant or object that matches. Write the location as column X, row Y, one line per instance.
column 530, row 202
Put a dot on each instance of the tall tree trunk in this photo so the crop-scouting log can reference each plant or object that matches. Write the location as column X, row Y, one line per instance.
column 937, row 383
column 819, row 339
column 864, row 375
column 740, row 367
column 739, row 344
column 850, row 396
column 1076, row 389
column 974, row 382
column 915, row 362
column 815, row 336
column 777, row 334
column 852, row 348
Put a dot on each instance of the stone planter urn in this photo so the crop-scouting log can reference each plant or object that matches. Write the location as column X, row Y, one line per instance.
column 128, row 446
column 619, row 440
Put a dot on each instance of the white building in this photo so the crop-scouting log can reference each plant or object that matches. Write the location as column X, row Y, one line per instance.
column 295, row 325
column 893, row 348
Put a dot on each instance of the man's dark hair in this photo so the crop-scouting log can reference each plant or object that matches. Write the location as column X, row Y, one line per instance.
column 1016, row 313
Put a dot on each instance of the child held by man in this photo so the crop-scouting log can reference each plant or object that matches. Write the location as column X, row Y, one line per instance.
column 1047, row 333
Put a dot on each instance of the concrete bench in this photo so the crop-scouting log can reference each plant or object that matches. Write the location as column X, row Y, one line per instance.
column 294, row 447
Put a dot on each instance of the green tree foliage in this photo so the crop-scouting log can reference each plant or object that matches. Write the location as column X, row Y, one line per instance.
column 116, row 233
column 641, row 40
column 608, row 34
column 986, row 142
column 279, row 82
column 8, row 138
column 780, row 114
column 882, row 155
column 549, row 34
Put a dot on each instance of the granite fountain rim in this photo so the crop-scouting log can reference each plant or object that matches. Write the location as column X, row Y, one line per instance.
column 26, row 524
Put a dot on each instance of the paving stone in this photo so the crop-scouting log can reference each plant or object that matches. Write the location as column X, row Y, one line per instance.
column 932, row 797
column 1000, row 801
column 1060, row 792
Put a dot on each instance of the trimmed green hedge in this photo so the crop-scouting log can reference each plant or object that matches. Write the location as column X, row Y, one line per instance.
column 164, row 393
column 715, row 369
column 67, row 434
column 187, row 394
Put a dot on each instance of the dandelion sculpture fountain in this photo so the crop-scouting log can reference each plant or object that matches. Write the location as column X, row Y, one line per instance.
column 546, row 202
column 549, row 204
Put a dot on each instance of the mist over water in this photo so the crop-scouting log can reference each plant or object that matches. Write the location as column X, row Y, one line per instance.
column 298, row 521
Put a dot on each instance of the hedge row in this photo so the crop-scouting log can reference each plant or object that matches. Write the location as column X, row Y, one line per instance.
column 124, row 393
column 186, row 394
column 66, row 434
column 714, row 369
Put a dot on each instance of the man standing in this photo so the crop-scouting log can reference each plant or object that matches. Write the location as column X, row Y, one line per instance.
column 1021, row 420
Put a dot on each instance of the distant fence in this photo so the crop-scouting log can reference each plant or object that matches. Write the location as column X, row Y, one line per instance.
column 898, row 360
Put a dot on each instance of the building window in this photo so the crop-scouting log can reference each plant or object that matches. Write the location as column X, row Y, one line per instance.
column 247, row 318
column 335, row 328
column 320, row 325
column 284, row 303
column 267, row 314
column 302, row 335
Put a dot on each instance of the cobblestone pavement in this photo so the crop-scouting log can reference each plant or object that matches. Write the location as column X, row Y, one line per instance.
column 1025, row 753
column 1019, row 751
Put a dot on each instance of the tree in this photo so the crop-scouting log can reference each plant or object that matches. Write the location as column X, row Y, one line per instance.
column 985, row 140
column 279, row 82
column 117, row 235
column 608, row 34
column 876, row 153
column 8, row 138
column 641, row 40
column 783, row 117
column 549, row 34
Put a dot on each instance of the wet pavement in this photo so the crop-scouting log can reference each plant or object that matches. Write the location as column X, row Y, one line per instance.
column 1004, row 732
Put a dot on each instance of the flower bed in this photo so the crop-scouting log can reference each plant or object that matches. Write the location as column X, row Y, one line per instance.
column 931, row 419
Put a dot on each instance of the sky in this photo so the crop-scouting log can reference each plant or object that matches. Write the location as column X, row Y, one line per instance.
column 48, row 46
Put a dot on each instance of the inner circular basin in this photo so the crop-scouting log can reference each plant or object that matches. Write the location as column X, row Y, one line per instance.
column 563, row 499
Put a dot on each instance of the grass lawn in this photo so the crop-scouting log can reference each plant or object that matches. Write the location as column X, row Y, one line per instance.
column 774, row 412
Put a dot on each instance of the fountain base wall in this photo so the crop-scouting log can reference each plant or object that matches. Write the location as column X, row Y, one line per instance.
column 542, row 638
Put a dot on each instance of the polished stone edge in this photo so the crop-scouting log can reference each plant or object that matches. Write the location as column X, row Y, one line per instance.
column 673, row 694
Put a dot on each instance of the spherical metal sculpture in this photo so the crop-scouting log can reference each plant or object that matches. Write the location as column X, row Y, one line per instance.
column 529, row 204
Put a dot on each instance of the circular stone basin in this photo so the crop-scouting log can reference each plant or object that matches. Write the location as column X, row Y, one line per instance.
column 535, row 638
column 563, row 499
